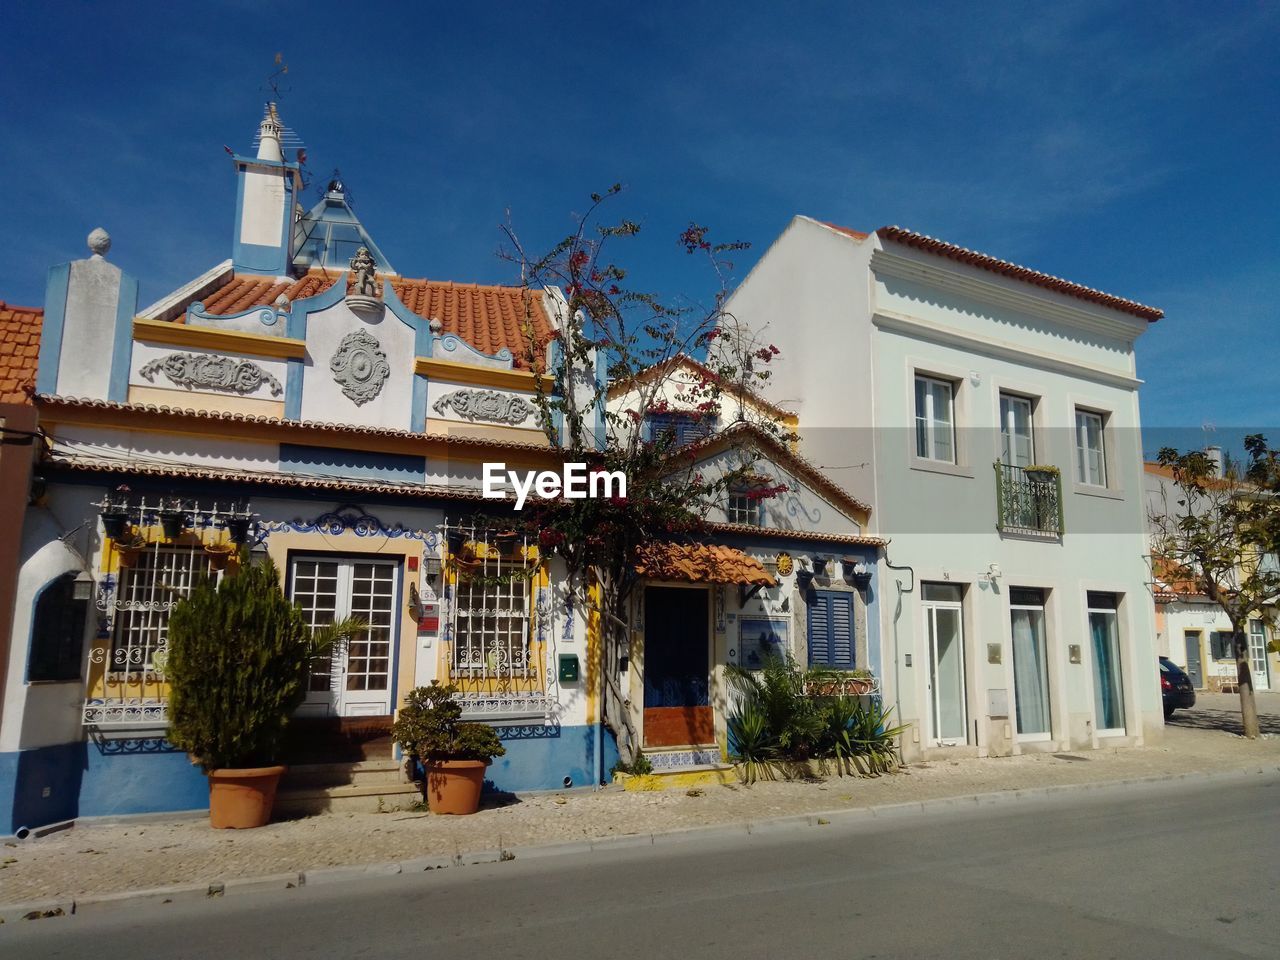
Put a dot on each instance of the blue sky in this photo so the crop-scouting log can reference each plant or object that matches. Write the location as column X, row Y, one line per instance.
column 1127, row 146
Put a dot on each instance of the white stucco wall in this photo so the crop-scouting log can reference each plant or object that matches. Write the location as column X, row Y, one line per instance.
column 89, row 329
column 262, row 218
column 322, row 396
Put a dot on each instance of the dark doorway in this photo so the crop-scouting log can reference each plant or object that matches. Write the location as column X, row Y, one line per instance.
column 1193, row 658
column 677, row 686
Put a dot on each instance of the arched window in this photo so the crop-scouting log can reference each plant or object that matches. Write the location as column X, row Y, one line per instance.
column 57, row 632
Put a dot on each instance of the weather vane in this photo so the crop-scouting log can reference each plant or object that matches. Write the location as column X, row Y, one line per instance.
column 277, row 78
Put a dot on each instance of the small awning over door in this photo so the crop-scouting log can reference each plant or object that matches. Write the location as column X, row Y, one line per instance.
column 701, row 563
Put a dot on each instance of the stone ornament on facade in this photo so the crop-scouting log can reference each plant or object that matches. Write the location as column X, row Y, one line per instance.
column 360, row 367
column 485, row 405
column 364, row 274
column 193, row 370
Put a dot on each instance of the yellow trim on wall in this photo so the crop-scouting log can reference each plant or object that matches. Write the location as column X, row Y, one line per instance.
column 594, row 639
column 213, row 338
column 537, row 652
column 451, row 371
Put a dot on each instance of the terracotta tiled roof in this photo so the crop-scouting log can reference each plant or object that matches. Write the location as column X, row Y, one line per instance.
column 847, row 231
column 775, row 533
column 619, row 387
column 244, row 293
column 700, row 563
column 19, row 351
column 985, row 262
column 488, row 318
column 821, row 482
column 134, row 468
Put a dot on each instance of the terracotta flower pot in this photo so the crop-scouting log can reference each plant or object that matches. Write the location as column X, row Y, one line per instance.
column 240, row 799
column 453, row 786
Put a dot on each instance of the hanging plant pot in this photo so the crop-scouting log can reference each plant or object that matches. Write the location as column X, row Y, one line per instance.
column 1038, row 474
column 115, row 524
column 455, row 539
column 507, row 543
column 238, row 528
column 219, row 554
column 174, row 522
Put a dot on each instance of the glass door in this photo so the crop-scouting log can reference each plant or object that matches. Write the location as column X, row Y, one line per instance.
column 1104, row 632
column 1030, row 663
column 1016, row 447
column 355, row 678
column 1258, row 655
column 944, row 628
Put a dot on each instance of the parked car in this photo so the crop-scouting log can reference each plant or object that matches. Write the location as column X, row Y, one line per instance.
column 1175, row 687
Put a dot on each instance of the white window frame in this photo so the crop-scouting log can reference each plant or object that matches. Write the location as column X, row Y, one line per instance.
column 1084, row 474
column 740, row 508
column 929, row 418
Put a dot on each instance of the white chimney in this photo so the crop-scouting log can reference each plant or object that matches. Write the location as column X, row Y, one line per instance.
column 269, row 131
column 1214, row 454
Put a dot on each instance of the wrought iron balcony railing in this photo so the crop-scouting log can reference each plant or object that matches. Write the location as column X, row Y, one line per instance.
column 1028, row 501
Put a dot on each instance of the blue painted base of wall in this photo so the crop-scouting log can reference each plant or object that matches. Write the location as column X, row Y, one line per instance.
column 539, row 757
column 121, row 777
column 96, row 780
column 542, row 758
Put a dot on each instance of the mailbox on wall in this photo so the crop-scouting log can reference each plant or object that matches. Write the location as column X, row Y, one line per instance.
column 568, row 668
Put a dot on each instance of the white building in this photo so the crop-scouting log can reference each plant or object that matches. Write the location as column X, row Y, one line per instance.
column 927, row 379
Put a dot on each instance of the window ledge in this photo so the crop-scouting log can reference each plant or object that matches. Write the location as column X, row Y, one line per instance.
column 1105, row 493
column 942, row 467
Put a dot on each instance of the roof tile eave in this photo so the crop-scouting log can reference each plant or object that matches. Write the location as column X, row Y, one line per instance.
column 984, row 261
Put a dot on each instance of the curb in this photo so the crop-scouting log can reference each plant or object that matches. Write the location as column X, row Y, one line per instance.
column 322, row 876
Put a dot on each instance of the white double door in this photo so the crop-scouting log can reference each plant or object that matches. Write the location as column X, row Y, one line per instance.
column 353, row 678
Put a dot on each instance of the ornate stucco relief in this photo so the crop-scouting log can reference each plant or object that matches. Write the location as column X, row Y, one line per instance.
column 485, row 405
column 360, row 367
column 216, row 373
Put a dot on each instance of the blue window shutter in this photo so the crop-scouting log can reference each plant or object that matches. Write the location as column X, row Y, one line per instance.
column 842, row 630
column 831, row 630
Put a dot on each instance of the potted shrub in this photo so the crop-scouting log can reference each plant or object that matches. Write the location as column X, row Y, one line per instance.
column 239, row 653
column 1041, row 473
column 453, row 754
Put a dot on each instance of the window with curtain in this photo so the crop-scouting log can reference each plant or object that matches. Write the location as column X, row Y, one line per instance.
column 935, row 422
column 830, row 622
column 1030, row 662
column 1091, row 459
column 57, row 633
column 1221, row 646
column 1104, row 634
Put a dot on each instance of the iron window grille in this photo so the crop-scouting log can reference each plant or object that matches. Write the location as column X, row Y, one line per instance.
column 1028, row 501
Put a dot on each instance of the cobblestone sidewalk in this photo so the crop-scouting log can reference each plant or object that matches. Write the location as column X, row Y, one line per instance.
column 105, row 857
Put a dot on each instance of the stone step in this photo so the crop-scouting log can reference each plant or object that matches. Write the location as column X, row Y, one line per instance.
column 679, row 777
column 359, row 773
column 369, row 798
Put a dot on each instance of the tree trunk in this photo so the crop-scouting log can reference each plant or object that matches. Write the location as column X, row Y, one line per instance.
column 1244, row 680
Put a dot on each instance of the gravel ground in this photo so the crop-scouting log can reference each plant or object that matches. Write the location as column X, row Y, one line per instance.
column 107, row 857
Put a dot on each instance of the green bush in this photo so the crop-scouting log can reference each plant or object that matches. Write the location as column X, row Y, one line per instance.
column 776, row 723
column 239, row 653
column 429, row 727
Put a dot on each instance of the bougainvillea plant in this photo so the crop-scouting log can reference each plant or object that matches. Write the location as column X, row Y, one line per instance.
column 614, row 362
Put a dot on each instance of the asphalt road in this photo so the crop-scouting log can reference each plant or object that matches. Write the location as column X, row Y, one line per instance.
column 1188, row 869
